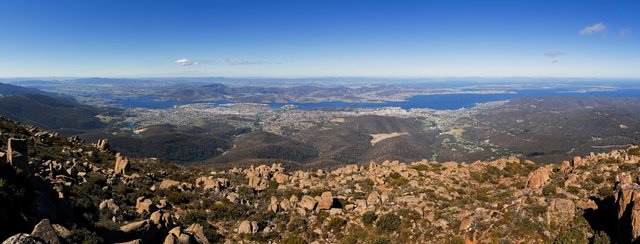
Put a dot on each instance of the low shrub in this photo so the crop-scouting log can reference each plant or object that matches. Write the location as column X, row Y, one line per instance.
column 369, row 217
column 388, row 222
column 336, row 224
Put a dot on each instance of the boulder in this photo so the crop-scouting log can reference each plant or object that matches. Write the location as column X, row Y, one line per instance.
column 281, row 178
column 208, row 182
column 122, row 164
column 248, row 227
column 135, row 226
column 308, row 202
column 156, row 218
column 184, row 239
column 624, row 178
column 167, row 183
column 273, row 206
column 538, row 178
column 578, row 161
column 285, row 204
column 233, row 197
column 373, row 199
column 144, row 205
column 198, row 232
column 170, row 239
column 111, row 205
column 560, row 211
column 62, row 232
column 103, row 145
column 45, row 231
column 326, row 201
column 22, row 239
column 17, row 152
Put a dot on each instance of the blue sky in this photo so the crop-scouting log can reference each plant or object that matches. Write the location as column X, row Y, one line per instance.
column 308, row 38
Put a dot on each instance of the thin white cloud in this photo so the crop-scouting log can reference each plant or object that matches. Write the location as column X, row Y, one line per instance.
column 186, row 62
column 593, row 29
column 553, row 54
column 625, row 32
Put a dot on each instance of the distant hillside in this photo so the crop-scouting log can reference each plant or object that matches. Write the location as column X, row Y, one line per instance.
column 553, row 128
column 264, row 146
column 11, row 90
column 180, row 145
column 49, row 112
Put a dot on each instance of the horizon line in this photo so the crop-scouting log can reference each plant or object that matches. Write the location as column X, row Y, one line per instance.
column 318, row 77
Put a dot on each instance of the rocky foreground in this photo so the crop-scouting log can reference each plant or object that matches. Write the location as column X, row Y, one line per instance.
column 61, row 190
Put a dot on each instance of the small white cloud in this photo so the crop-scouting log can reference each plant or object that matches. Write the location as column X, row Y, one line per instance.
column 593, row 29
column 625, row 32
column 553, row 54
column 186, row 62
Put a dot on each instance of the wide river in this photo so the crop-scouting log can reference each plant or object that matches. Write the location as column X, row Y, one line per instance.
column 440, row 101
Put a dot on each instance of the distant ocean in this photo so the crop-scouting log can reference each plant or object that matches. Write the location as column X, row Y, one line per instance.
column 440, row 101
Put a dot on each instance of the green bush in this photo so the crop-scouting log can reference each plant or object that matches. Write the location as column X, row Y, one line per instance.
column 336, row 224
column 634, row 151
column 367, row 185
column 549, row 190
column 604, row 192
column 598, row 179
column 421, row 167
column 573, row 190
column 456, row 240
column 388, row 222
column 176, row 197
column 297, row 225
column 82, row 235
column 570, row 237
column 219, row 211
column 401, row 181
column 601, row 238
column 369, row 217
column 381, row 240
column 294, row 239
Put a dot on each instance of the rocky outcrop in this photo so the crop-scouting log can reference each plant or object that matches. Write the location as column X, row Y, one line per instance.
column 17, row 152
column 373, row 199
column 560, row 212
column 122, row 164
column 248, row 227
column 274, row 206
column 144, row 205
column 198, row 233
column 103, row 145
column 308, row 202
column 326, row 201
column 210, row 182
column 627, row 202
column 110, row 205
column 45, row 231
column 538, row 178
column 23, row 239
column 168, row 183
